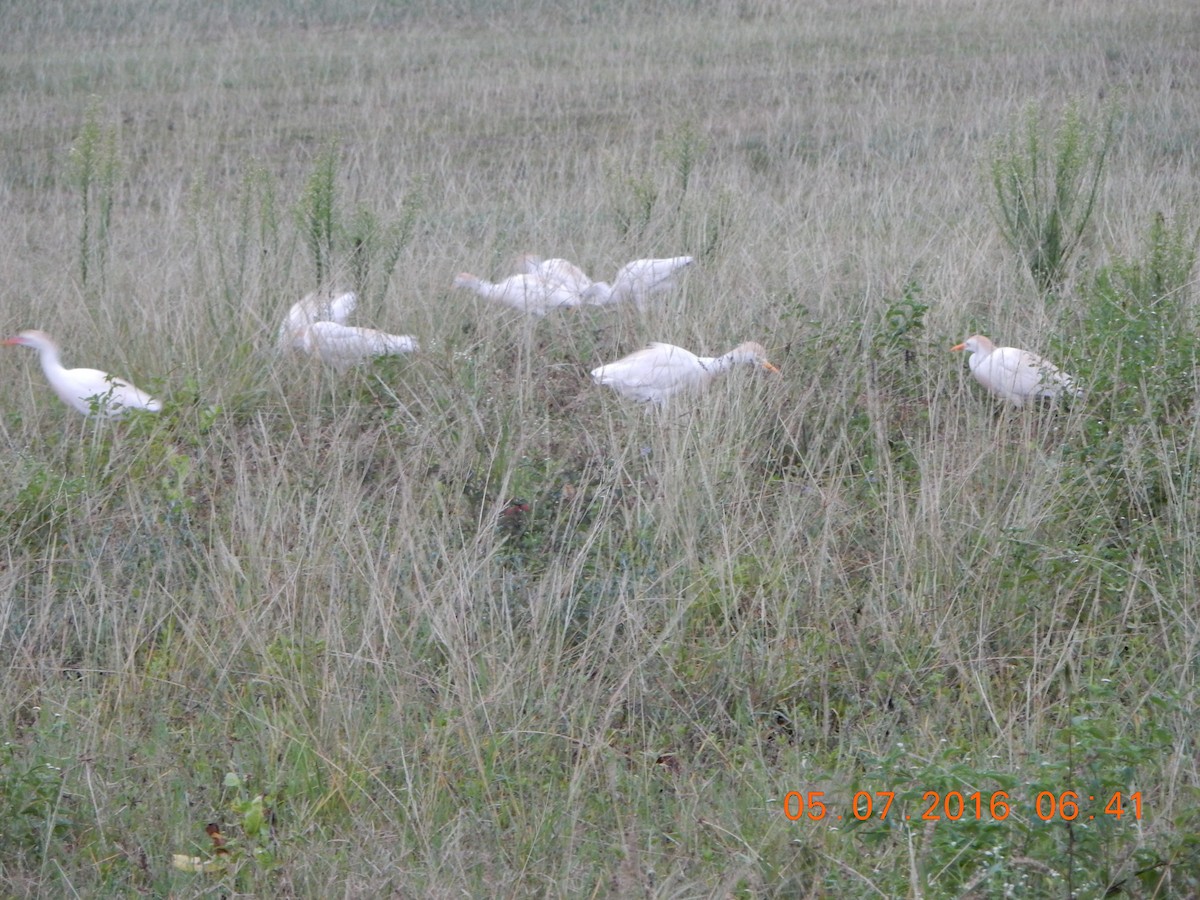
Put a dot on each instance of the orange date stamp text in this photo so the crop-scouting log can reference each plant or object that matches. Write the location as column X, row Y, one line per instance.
column 954, row 806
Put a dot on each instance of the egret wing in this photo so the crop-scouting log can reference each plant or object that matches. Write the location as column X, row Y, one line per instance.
column 651, row 374
column 342, row 346
column 90, row 389
column 1022, row 375
column 649, row 276
column 341, row 307
column 566, row 274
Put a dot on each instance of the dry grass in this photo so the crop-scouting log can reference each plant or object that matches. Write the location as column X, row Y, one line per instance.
column 860, row 576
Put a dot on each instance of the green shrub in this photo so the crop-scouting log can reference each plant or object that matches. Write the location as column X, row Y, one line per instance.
column 1136, row 356
column 1046, row 190
column 1071, row 822
column 31, row 801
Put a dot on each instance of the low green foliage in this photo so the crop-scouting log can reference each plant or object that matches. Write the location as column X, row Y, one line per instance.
column 634, row 211
column 1072, row 821
column 1135, row 353
column 376, row 245
column 661, row 204
column 33, row 803
column 43, row 503
column 683, row 151
column 243, row 860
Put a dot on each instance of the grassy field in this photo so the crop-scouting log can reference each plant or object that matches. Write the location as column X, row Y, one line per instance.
column 290, row 607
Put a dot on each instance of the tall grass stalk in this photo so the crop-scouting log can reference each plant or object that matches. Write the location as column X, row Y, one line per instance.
column 94, row 168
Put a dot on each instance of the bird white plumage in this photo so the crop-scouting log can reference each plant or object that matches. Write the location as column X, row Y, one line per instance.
column 637, row 281
column 343, row 346
column 1017, row 376
column 557, row 271
column 85, row 390
column 319, row 306
column 660, row 371
column 528, row 292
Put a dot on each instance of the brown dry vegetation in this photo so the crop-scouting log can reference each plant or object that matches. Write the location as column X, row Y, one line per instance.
column 860, row 576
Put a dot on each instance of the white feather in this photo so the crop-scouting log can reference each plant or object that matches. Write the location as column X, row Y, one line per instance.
column 637, row 281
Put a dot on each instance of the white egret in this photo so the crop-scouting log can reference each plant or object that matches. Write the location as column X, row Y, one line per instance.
column 1017, row 376
column 319, row 306
column 85, row 390
column 637, row 281
column 343, row 346
column 528, row 292
column 658, row 372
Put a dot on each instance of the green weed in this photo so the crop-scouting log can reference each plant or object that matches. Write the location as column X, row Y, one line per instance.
column 360, row 244
column 1135, row 354
column 246, row 858
column 34, row 802
column 318, row 213
column 1046, row 188
column 95, row 166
